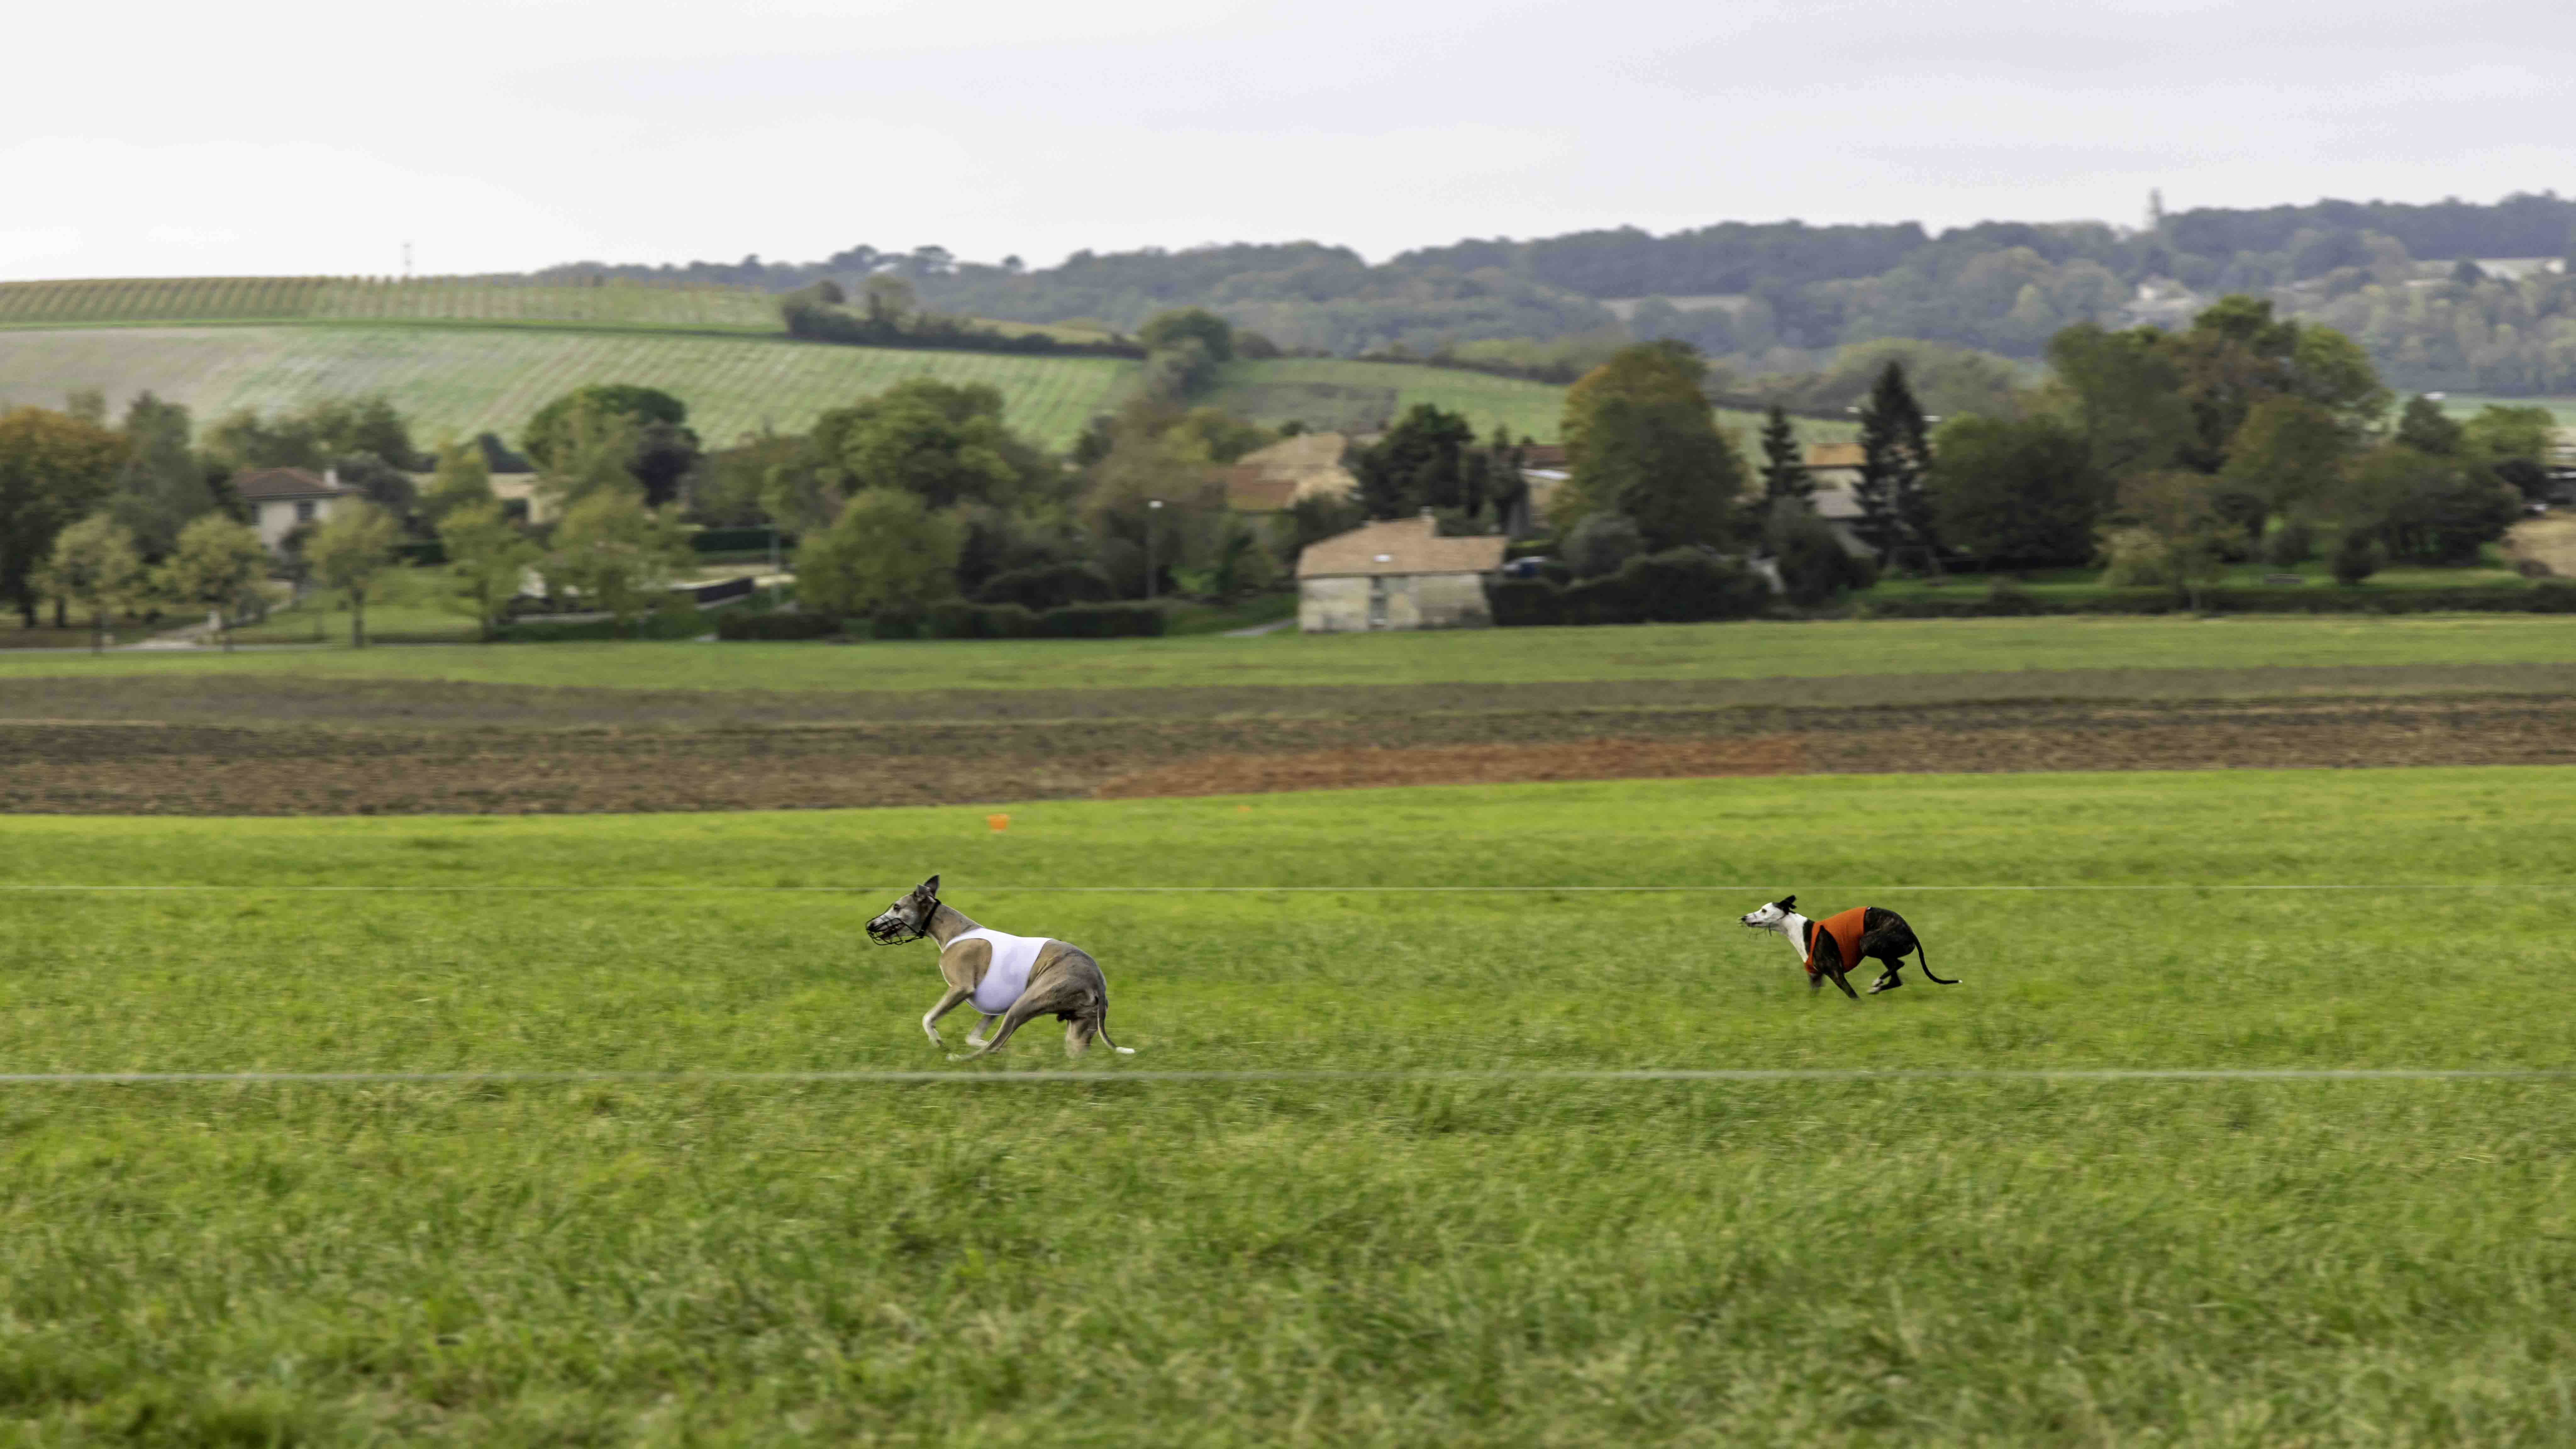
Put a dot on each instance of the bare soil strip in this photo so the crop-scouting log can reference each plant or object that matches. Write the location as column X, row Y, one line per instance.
column 423, row 705
column 190, row 769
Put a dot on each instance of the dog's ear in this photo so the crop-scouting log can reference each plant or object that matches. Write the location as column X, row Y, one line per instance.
column 929, row 887
column 1785, row 902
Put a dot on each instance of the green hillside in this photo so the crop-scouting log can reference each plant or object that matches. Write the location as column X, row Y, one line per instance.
column 461, row 355
column 1328, row 392
column 453, row 380
column 612, row 303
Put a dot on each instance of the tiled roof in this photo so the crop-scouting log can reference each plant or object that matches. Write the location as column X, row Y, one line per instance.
column 274, row 483
column 1402, row 546
column 1833, row 455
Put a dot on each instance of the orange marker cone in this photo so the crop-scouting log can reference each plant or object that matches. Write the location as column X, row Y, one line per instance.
column 998, row 822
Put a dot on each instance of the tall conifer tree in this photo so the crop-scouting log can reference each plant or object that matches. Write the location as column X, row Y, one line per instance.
column 1895, row 444
column 1784, row 466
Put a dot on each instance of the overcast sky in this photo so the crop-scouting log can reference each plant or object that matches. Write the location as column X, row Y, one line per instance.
column 265, row 137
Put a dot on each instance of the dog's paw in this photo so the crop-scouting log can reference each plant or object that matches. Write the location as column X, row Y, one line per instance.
column 1126, row 1051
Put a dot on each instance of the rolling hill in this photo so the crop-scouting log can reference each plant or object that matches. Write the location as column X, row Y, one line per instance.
column 465, row 355
column 457, row 381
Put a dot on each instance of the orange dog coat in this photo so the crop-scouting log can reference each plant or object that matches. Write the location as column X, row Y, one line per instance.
column 1845, row 929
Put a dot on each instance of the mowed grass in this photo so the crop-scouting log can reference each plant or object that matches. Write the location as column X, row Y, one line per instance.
column 1430, row 1260
column 455, row 382
column 1491, row 656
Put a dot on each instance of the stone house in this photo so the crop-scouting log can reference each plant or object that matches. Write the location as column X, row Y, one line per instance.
column 282, row 500
column 1835, row 470
column 1395, row 575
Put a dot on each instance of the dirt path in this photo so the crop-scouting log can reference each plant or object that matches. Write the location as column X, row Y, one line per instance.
column 222, row 770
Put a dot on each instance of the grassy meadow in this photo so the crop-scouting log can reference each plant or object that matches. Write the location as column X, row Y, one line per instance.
column 1410, row 1260
column 1753, row 650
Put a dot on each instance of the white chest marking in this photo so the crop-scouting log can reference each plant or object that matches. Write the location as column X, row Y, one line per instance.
column 1794, row 931
column 1008, row 976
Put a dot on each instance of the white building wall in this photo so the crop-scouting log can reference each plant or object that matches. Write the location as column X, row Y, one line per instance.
column 278, row 518
column 1392, row 601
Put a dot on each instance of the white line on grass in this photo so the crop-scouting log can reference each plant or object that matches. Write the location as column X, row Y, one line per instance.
column 1258, row 889
column 1644, row 1074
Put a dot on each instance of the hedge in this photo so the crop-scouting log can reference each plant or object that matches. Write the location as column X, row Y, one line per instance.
column 1678, row 586
column 2549, row 596
column 734, row 624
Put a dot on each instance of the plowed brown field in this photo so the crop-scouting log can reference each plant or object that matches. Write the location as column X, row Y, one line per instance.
column 280, row 769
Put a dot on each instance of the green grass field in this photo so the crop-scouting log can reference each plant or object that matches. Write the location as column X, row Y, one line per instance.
column 461, row 381
column 1491, row 656
column 1415, row 1259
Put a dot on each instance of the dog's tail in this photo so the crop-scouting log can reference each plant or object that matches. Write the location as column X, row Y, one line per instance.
column 1100, row 1029
column 1925, row 962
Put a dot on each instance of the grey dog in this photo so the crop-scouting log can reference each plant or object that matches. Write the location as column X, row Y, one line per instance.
column 1011, row 979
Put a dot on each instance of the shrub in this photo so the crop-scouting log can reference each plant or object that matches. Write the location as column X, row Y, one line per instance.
column 1101, row 621
column 1047, row 586
column 2291, row 544
column 734, row 624
column 1601, row 544
column 1814, row 566
column 2358, row 556
column 2006, row 598
column 1009, row 621
column 955, row 619
column 895, row 622
column 1677, row 586
column 1524, row 602
column 1687, row 585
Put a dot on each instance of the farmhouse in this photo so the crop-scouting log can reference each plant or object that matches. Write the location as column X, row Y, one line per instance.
column 1272, row 479
column 283, row 499
column 1395, row 575
column 1835, row 470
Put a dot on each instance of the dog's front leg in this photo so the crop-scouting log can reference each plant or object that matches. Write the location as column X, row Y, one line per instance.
column 947, row 1004
column 983, row 1029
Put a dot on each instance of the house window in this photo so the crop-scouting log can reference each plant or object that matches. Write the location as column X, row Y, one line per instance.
column 304, row 511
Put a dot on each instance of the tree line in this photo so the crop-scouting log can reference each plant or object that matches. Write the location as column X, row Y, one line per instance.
column 1792, row 293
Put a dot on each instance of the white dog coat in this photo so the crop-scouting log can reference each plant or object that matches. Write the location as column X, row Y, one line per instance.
column 1008, row 975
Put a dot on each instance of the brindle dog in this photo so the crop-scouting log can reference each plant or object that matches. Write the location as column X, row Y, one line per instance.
column 1063, row 982
column 1884, row 936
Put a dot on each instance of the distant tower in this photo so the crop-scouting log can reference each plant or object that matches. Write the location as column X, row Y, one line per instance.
column 2155, row 209
column 406, row 261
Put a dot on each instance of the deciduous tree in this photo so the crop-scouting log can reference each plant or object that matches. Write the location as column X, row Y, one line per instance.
column 351, row 551
column 1642, row 440
column 94, row 567
column 161, row 485
column 886, row 553
column 488, row 557
column 619, row 555
column 54, row 467
column 212, row 566
column 463, row 480
column 2015, row 493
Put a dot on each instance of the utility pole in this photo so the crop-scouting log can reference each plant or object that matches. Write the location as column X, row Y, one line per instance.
column 1153, row 515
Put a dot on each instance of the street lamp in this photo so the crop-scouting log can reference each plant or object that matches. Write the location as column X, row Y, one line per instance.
column 1153, row 511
